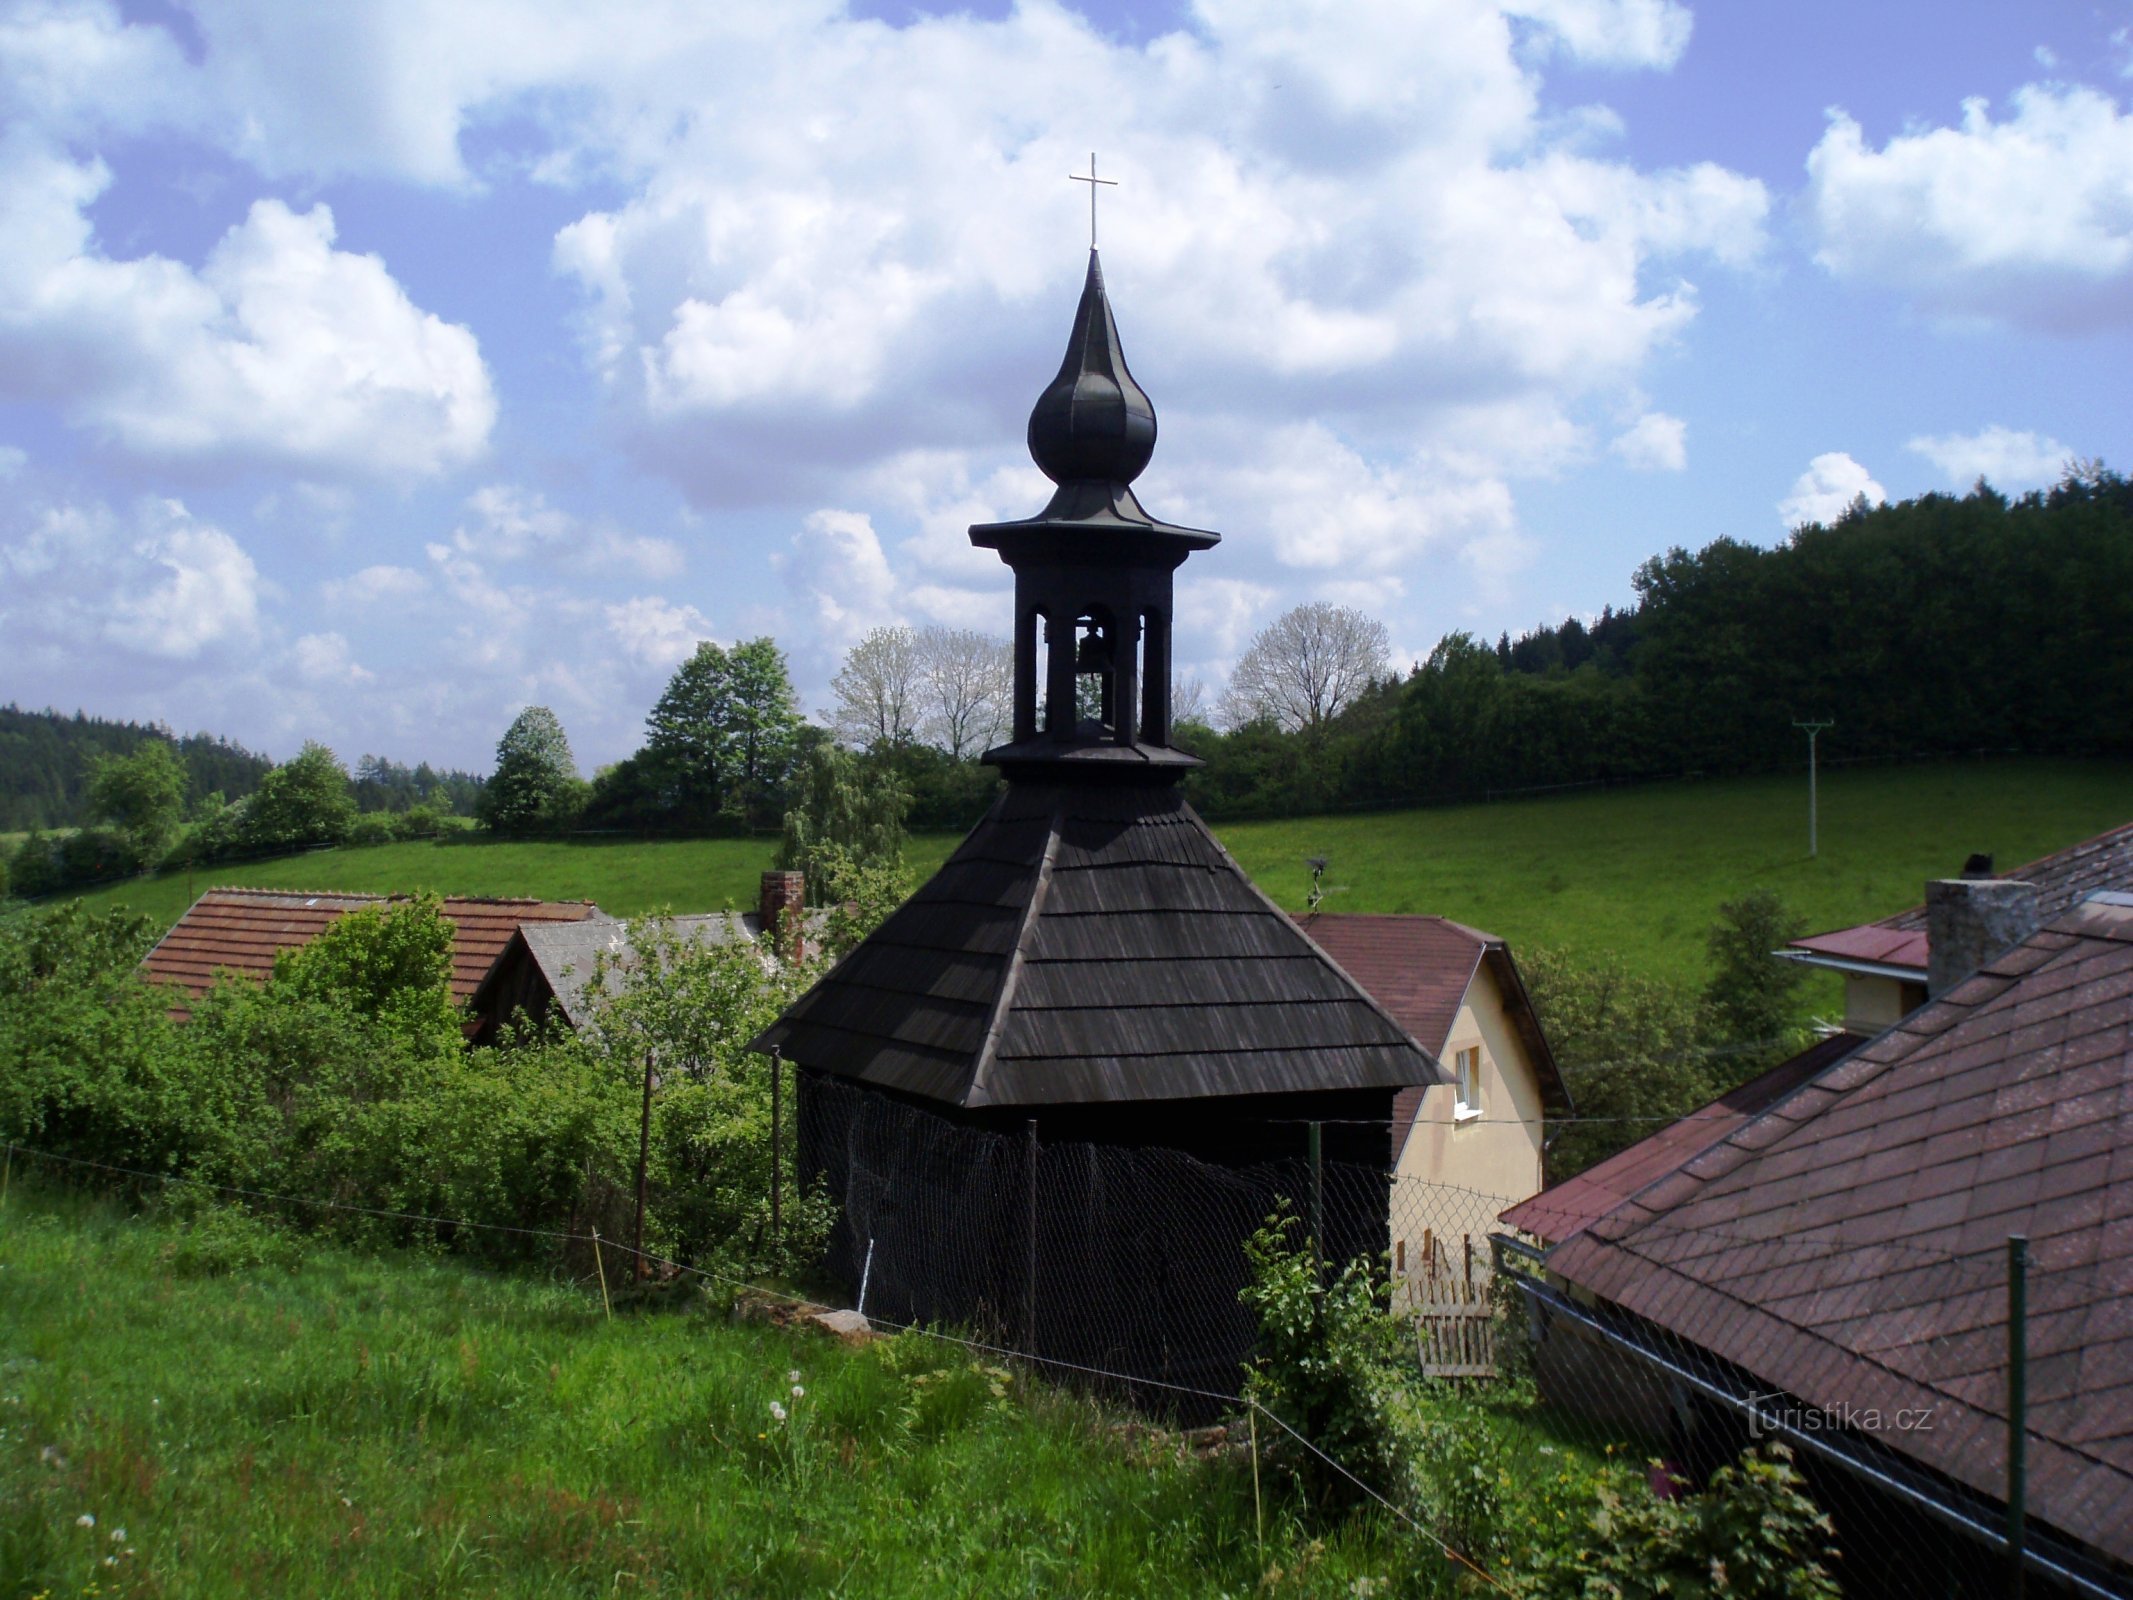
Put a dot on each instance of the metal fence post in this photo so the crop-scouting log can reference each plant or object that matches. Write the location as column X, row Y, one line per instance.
column 1318, row 1196
column 2017, row 1410
column 1029, row 1280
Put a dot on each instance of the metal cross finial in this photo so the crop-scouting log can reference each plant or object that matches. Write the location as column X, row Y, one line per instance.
column 1092, row 181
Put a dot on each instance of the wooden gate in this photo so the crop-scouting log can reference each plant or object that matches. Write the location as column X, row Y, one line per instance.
column 1455, row 1325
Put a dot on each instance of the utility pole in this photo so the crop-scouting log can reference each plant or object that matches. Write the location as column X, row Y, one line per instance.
column 1813, row 731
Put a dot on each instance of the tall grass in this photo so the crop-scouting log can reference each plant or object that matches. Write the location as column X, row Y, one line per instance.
column 241, row 1418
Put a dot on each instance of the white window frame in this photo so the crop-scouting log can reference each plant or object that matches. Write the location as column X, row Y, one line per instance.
column 1466, row 1083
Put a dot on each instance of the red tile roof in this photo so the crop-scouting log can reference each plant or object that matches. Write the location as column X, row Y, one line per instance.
column 1846, row 1246
column 1563, row 1209
column 2063, row 880
column 241, row 930
column 1419, row 969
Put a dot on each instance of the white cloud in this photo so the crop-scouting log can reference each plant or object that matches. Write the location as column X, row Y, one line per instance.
column 1616, row 33
column 325, row 658
column 12, row 460
column 2001, row 456
column 205, row 591
column 1655, row 442
column 2027, row 219
column 508, row 522
column 1216, row 616
column 1328, row 506
column 383, row 584
column 1827, row 488
column 656, row 633
column 835, row 563
column 279, row 349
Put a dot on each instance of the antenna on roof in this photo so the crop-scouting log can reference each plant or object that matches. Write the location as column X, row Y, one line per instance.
column 1317, row 864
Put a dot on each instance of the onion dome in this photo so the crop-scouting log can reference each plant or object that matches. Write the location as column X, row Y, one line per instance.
column 1094, row 423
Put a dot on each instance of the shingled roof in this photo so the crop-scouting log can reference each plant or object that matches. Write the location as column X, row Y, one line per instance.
column 1898, row 944
column 242, row 930
column 1846, row 1246
column 1562, row 1209
column 1094, row 942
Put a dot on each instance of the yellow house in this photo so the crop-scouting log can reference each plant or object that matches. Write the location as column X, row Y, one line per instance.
column 1463, row 1152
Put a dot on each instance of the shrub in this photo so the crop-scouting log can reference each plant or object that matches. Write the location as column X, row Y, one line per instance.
column 374, row 827
column 1752, row 1534
column 1324, row 1361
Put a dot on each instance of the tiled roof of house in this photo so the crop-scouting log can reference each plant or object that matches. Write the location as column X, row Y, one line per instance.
column 241, row 930
column 1563, row 1209
column 1847, row 1245
column 1420, row 968
column 1094, row 943
column 2063, row 880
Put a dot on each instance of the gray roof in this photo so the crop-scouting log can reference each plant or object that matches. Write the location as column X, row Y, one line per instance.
column 567, row 953
column 1094, row 942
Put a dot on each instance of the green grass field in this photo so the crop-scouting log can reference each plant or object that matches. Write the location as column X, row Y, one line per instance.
column 402, row 1426
column 1639, row 872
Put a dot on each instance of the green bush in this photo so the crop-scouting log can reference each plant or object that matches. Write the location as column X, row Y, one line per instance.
column 1325, row 1362
column 1751, row 1534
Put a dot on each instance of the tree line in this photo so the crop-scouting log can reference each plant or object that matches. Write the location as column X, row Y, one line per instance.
column 1941, row 625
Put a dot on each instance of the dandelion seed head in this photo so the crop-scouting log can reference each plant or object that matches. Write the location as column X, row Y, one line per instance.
column 777, row 1411
column 793, row 1376
column 797, row 1391
column 86, row 1520
column 118, row 1535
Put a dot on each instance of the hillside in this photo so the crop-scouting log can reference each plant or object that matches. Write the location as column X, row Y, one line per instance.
column 1635, row 871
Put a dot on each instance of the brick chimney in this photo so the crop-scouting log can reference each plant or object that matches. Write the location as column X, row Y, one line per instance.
column 1970, row 921
column 782, row 904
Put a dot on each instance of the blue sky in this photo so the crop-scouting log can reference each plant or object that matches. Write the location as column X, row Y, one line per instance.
column 370, row 372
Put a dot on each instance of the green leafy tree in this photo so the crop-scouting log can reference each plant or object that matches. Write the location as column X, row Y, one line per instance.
column 303, row 801
column 725, row 732
column 1634, row 1052
column 846, row 816
column 142, row 795
column 1753, row 997
column 535, row 788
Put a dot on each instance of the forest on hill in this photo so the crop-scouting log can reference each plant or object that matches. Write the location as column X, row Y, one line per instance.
column 46, row 758
column 1937, row 626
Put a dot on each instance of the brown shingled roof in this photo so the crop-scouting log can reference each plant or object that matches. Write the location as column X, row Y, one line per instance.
column 1562, row 1209
column 242, row 930
column 1847, row 1245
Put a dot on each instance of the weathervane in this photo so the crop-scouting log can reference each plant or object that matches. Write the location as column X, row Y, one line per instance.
column 1092, row 181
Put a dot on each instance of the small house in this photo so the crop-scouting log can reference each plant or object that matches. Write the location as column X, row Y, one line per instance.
column 241, row 931
column 1836, row 1266
column 1461, row 1151
column 1887, row 965
column 544, row 971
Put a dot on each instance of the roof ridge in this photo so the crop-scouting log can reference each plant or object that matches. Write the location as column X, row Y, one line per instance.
column 1003, row 1000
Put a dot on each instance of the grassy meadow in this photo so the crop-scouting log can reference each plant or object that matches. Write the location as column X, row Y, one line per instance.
column 1637, row 872
column 241, row 1418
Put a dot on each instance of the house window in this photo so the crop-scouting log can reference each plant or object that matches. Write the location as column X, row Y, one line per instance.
column 1466, row 1074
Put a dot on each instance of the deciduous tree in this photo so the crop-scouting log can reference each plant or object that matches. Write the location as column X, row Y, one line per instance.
column 535, row 786
column 878, row 690
column 142, row 794
column 1304, row 666
column 967, row 679
column 302, row 801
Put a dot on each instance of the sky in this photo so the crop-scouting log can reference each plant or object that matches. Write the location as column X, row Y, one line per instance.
column 370, row 372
